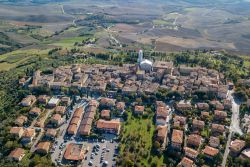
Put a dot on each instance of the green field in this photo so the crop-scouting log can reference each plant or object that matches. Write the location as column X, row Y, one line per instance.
column 161, row 22
column 15, row 58
column 68, row 42
column 137, row 142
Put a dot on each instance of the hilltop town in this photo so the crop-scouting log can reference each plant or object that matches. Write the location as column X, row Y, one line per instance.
column 86, row 115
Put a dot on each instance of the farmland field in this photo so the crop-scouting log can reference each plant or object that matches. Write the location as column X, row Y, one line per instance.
column 169, row 27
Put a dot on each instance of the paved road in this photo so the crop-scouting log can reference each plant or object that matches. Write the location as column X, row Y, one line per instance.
column 234, row 126
column 62, row 132
column 235, row 117
column 112, row 36
column 63, row 12
column 32, row 149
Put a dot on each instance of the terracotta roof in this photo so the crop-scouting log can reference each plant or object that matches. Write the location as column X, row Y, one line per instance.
column 180, row 119
column 177, row 136
column 93, row 103
column 16, row 130
column 74, row 152
column 198, row 123
column 43, row 146
column 107, row 101
column 72, row 129
column 60, row 109
column 84, row 129
column 183, row 106
column 120, row 105
column 217, row 104
column 43, row 98
column 86, row 121
column 74, row 121
column 162, row 112
column 194, row 139
column 160, row 104
column 35, row 110
column 219, row 113
column 202, row 106
column 91, row 109
column 210, row 151
column 162, row 131
column 163, row 64
column 78, row 112
column 187, row 162
column 29, row 132
column 214, row 140
column 139, row 108
column 105, row 113
column 51, row 132
column 205, row 114
column 89, row 115
column 113, row 124
column 21, row 120
column 191, row 151
column 218, row 128
column 237, row 145
column 56, row 117
column 17, row 153
column 28, row 99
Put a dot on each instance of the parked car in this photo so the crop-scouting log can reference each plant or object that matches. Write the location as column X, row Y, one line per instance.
column 90, row 163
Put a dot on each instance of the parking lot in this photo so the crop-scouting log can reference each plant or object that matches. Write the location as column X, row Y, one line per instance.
column 101, row 153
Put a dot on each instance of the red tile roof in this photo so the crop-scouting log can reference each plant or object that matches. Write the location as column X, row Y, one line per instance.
column 210, row 151
column 105, row 113
column 237, row 145
column 74, row 152
column 186, row 162
column 113, row 124
column 17, row 153
column 177, row 136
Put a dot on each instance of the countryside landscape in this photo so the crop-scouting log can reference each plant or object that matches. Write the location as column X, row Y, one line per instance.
column 125, row 83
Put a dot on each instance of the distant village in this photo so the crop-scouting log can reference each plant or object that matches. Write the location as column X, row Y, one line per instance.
column 56, row 123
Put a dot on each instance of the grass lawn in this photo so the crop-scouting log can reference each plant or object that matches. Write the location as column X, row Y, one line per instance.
column 137, row 141
column 205, row 132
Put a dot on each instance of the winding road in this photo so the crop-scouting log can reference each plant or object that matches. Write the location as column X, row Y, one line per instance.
column 63, row 12
column 112, row 36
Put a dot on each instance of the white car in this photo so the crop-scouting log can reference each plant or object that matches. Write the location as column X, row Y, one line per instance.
column 90, row 163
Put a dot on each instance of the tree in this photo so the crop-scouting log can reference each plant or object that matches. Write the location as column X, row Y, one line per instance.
column 148, row 126
column 126, row 99
column 241, row 95
column 174, row 94
column 138, row 100
column 157, row 145
column 125, row 116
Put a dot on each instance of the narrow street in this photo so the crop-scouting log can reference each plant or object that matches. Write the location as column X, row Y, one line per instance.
column 32, row 149
column 234, row 126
